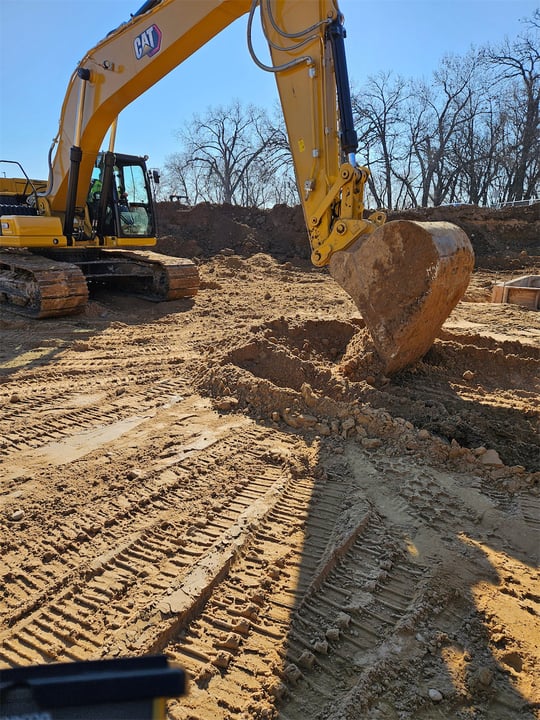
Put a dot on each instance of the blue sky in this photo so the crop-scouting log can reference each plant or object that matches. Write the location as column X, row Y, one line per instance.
column 41, row 42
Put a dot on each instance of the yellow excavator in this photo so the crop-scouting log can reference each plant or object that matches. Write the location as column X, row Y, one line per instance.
column 94, row 218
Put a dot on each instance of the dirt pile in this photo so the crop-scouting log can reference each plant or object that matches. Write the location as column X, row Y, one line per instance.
column 206, row 229
column 507, row 238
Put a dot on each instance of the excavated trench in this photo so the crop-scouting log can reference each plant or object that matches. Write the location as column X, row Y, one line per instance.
column 317, row 367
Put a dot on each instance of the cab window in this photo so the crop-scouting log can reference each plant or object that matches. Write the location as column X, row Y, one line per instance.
column 133, row 202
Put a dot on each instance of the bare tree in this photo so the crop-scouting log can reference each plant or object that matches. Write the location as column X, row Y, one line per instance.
column 517, row 65
column 475, row 152
column 183, row 178
column 444, row 108
column 470, row 135
column 229, row 155
column 378, row 114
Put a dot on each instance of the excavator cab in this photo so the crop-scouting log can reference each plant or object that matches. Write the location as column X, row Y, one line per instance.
column 120, row 202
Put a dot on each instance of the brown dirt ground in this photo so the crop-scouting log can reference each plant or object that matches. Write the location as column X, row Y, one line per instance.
column 231, row 481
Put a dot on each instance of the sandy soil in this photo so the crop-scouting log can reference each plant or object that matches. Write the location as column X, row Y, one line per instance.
column 231, row 481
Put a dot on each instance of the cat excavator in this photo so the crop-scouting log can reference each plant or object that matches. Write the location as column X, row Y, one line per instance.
column 94, row 218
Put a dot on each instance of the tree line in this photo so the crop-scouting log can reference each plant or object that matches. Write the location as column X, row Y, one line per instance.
column 471, row 134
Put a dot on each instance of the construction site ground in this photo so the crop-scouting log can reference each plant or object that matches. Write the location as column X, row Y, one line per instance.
column 233, row 482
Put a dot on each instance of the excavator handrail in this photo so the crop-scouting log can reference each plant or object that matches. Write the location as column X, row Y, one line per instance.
column 30, row 182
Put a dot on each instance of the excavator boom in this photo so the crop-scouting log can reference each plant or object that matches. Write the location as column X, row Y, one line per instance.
column 125, row 64
column 99, row 201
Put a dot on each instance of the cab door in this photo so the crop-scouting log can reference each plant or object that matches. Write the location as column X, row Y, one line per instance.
column 120, row 199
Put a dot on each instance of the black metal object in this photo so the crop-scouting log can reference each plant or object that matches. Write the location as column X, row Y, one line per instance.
column 145, row 7
column 106, row 212
column 124, row 689
column 17, row 205
column 348, row 136
column 75, row 157
column 12, row 209
column 106, row 195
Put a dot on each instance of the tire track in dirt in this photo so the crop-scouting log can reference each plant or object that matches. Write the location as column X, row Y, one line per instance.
column 449, row 531
column 117, row 371
column 43, row 420
column 109, row 576
column 346, row 619
column 291, row 554
column 311, row 554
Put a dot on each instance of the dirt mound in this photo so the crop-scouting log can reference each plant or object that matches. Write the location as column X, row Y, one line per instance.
column 313, row 374
column 206, row 229
column 508, row 238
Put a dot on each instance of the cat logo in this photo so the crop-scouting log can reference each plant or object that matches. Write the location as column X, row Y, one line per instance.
column 148, row 42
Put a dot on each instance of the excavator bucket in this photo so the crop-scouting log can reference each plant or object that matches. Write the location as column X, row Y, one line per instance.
column 406, row 278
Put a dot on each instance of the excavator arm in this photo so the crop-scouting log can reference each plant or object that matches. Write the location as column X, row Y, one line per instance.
column 127, row 62
column 306, row 41
column 305, row 38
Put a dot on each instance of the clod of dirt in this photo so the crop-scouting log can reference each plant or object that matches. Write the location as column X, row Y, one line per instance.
column 435, row 695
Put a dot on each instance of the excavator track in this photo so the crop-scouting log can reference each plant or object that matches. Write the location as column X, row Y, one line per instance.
column 154, row 276
column 39, row 287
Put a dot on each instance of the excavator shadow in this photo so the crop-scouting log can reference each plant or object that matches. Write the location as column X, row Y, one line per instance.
column 407, row 596
column 416, row 548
